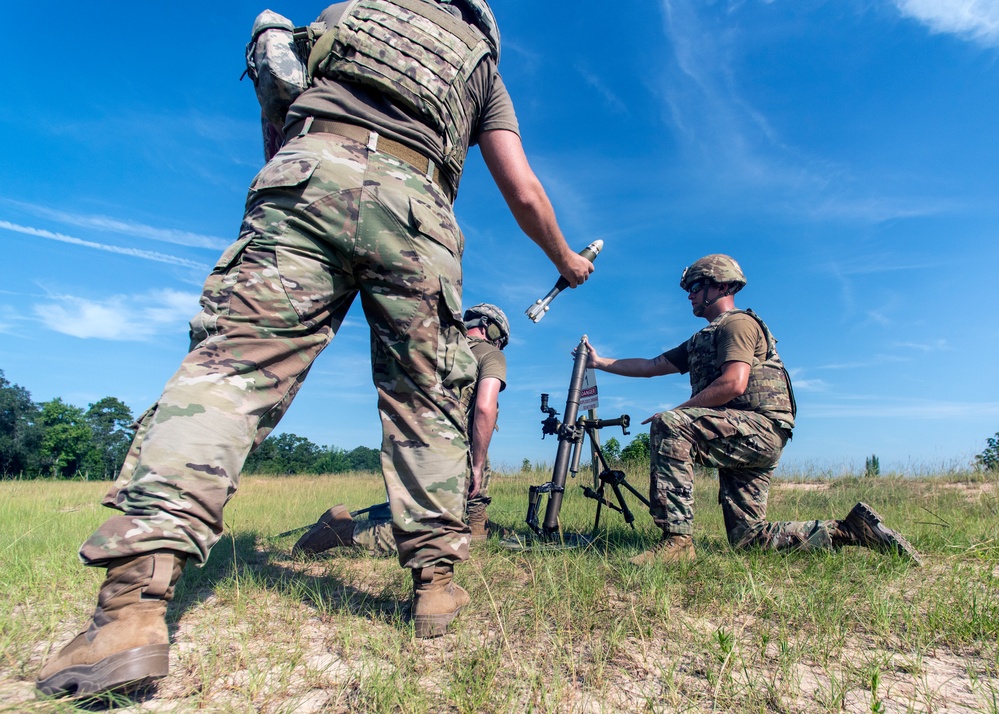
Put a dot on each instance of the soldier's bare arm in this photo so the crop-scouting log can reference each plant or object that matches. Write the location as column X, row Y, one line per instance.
column 504, row 155
column 630, row 367
column 486, row 410
column 731, row 383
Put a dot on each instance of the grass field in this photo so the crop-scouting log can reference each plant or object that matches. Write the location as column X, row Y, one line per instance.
column 257, row 630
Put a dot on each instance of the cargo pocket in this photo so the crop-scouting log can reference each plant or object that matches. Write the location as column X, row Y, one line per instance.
column 437, row 225
column 456, row 365
column 285, row 171
column 217, row 291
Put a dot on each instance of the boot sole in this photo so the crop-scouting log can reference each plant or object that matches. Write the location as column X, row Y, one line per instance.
column 427, row 626
column 897, row 544
column 125, row 670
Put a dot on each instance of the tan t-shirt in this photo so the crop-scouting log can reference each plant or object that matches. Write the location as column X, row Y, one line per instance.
column 740, row 339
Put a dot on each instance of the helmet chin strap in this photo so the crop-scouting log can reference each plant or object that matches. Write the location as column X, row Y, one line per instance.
column 708, row 303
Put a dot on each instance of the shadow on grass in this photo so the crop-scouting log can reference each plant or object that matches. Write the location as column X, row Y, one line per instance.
column 251, row 556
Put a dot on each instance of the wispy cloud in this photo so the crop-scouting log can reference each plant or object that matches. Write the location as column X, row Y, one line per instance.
column 734, row 144
column 614, row 102
column 931, row 346
column 128, row 228
column 133, row 252
column 807, row 385
column 866, row 364
column 975, row 20
column 120, row 317
column 905, row 409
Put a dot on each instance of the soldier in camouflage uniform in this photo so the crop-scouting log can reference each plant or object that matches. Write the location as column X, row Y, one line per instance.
column 488, row 333
column 357, row 202
column 738, row 420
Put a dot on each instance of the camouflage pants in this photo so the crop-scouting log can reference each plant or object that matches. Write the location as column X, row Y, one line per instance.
column 325, row 220
column 376, row 536
column 745, row 448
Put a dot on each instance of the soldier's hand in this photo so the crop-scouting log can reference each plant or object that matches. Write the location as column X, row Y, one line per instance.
column 591, row 356
column 475, row 483
column 576, row 269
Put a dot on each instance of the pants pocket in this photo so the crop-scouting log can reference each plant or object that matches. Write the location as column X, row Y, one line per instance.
column 217, row 291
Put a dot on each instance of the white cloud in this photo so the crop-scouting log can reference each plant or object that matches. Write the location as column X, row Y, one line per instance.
column 809, row 385
column 976, row 20
column 128, row 228
column 134, row 252
column 939, row 345
column 905, row 409
column 120, row 317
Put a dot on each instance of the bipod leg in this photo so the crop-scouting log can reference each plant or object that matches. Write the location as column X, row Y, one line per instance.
column 636, row 494
column 629, row 517
column 600, row 505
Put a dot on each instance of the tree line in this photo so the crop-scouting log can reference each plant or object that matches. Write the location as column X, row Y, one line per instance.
column 54, row 439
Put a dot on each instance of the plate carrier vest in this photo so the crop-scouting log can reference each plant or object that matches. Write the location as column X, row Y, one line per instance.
column 414, row 52
column 769, row 391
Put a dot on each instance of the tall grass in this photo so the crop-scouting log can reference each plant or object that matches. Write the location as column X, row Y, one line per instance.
column 548, row 630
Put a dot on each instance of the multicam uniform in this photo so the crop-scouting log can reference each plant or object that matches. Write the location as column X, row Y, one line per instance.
column 743, row 439
column 327, row 218
column 374, row 534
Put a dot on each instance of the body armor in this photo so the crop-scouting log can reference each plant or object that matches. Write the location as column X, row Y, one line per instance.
column 769, row 390
column 414, row 52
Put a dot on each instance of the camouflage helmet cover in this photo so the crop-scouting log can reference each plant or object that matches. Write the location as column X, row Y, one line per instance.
column 495, row 323
column 718, row 268
column 484, row 19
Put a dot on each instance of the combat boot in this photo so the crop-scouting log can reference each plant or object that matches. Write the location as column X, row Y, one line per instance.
column 674, row 548
column 334, row 529
column 125, row 645
column 436, row 599
column 477, row 520
column 864, row 527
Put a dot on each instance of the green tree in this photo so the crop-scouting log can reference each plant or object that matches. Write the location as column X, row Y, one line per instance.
column 988, row 460
column 638, row 449
column 20, row 434
column 67, row 445
column 364, row 459
column 109, row 421
column 612, row 450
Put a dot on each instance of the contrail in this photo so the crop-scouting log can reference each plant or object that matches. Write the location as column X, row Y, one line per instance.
column 133, row 252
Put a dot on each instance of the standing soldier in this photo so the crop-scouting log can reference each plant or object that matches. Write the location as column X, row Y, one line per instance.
column 488, row 334
column 357, row 201
column 738, row 419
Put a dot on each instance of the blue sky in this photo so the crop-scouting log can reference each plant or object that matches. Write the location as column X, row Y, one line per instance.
column 845, row 152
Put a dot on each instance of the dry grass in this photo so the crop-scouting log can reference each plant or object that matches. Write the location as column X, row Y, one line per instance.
column 556, row 631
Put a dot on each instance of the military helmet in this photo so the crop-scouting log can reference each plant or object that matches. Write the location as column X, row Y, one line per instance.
column 718, row 268
column 484, row 20
column 492, row 319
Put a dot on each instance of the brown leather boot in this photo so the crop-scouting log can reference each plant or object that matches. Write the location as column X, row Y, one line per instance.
column 672, row 549
column 125, row 644
column 477, row 520
column 436, row 599
column 334, row 529
column 864, row 527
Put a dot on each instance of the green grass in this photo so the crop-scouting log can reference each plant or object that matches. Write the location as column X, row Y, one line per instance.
column 547, row 631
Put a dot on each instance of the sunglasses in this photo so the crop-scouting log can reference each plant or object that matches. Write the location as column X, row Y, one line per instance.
column 697, row 286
